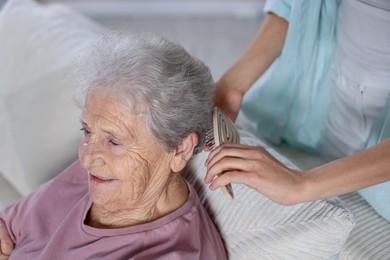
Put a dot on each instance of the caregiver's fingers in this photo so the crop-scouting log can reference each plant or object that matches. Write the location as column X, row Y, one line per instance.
column 227, row 149
column 234, row 156
column 255, row 168
column 232, row 176
column 281, row 190
column 251, row 172
column 6, row 244
column 279, row 184
column 209, row 148
column 226, row 164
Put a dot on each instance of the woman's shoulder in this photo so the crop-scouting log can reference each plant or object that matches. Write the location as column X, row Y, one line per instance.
column 72, row 182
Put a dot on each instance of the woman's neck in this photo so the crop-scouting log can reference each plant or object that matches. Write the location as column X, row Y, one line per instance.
column 171, row 198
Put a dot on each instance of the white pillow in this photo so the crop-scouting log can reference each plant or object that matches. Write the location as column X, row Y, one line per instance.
column 38, row 119
column 254, row 227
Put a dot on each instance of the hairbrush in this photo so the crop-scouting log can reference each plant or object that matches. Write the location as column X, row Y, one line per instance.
column 223, row 131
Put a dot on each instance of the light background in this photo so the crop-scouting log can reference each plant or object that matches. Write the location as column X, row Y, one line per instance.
column 215, row 31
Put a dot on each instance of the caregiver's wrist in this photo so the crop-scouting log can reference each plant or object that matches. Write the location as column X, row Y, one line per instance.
column 304, row 190
column 296, row 192
column 315, row 184
column 228, row 83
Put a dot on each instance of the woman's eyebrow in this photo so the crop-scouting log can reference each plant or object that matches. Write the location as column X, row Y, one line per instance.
column 111, row 131
column 82, row 122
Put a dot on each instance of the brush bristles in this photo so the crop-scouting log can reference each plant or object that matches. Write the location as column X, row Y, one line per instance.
column 210, row 141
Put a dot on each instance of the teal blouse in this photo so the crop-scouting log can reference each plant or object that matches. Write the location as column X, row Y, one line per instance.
column 290, row 101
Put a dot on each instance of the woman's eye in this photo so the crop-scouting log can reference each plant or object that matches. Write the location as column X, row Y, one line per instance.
column 114, row 143
column 86, row 132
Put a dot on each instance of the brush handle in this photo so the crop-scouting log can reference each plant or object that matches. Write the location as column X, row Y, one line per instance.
column 228, row 191
column 225, row 131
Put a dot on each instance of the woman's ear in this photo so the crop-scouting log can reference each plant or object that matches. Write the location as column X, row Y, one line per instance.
column 184, row 152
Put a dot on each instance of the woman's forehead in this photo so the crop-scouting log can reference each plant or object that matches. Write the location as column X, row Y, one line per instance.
column 109, row 110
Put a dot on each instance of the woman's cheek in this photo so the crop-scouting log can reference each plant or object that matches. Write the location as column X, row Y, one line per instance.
column 82, row 148
column 133, row 166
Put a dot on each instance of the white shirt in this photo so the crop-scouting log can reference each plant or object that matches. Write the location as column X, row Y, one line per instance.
column 363, row 35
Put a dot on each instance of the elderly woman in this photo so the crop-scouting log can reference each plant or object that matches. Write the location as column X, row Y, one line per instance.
column 146, row 106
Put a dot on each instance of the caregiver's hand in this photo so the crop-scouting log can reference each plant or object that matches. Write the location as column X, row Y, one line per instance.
column 6, row 244
column 256, row 168
column 228, row 98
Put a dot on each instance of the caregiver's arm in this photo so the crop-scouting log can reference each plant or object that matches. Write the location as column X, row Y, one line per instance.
column 364, row 169
column 6, row 244
column 257, row 169
column 262, row 51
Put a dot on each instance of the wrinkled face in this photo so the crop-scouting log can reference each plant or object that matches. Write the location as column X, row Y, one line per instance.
column 126, row 166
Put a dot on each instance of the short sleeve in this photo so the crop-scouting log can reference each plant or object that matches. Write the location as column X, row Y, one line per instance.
column 280, row 7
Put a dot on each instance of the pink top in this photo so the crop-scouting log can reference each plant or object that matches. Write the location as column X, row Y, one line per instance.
column 49, row 224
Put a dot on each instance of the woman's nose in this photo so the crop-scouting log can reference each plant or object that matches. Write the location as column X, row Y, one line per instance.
column 90, row 154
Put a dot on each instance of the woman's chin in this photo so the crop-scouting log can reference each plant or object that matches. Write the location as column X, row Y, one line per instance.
column 100, row 191
column 97, row 197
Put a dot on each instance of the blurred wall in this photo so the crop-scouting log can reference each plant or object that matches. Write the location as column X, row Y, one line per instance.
column 167, row 7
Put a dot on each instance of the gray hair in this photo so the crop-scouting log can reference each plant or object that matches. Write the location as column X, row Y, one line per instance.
column 155, row 77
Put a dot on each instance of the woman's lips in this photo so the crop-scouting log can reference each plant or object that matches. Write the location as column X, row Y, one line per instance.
column 100, row 180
